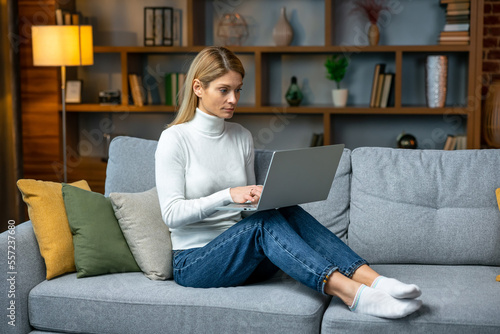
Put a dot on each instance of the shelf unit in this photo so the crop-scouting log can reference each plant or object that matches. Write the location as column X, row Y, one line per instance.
column 263, row 58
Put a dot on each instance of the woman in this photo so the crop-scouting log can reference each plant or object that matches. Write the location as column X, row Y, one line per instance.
column 203, row 162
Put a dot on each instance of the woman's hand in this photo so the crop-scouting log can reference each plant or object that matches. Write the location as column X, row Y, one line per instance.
column 246, row 194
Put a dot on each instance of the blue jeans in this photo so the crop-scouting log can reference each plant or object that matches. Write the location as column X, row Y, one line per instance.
column 255, row 248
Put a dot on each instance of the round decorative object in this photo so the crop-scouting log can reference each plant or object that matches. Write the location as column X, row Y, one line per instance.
column 406, row 140
column 283, row 32
column 491, row 119
column 233, row 29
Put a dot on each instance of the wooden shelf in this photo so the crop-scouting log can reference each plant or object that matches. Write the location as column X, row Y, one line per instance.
column 286, row 49
column 326, row 109
column 265, row 101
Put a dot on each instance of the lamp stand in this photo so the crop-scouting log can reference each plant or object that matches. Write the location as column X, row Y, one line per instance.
column 63, row 101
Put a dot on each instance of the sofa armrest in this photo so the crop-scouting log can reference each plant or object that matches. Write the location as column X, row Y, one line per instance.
column 22, row 268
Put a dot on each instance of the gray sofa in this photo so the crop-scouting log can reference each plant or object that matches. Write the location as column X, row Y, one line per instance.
column 425, row 217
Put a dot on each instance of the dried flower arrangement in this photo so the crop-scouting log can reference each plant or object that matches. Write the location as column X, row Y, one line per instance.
column 370, row 8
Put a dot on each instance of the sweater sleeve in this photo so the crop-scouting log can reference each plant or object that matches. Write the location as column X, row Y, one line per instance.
column 176, row 210
column 250, row 159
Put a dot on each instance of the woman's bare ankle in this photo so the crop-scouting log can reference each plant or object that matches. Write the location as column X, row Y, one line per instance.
column 365, row 275
column 343, row 287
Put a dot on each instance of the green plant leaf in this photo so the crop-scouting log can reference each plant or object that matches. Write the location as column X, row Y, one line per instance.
column 336, row 67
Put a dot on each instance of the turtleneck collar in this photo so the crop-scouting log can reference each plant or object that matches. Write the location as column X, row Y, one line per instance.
column 208, row 124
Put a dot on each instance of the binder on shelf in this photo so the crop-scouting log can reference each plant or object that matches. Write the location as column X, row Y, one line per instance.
column 379, row 69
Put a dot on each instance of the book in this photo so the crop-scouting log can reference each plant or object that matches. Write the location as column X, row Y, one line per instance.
column 458, row 6
column 59, row 17
column 174, row 82
column 317, row 139
column 456, row 27
column 177, row 33
column 75, row 19
column 380, row 86
column 458, row 142
column 135, row 89
column 386, row 89
column 450, row 143
column 67, row 18
column 379, row 68
column 461, row 142
column 453, row 1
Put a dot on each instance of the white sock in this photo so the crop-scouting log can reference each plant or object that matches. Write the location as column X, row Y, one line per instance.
column 380, row 304
column 396, row 288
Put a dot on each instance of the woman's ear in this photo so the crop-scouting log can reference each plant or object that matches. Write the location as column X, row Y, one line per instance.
column 197, row 88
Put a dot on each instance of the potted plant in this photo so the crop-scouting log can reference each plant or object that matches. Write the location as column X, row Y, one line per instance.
column 336, row 66
column 371, row 9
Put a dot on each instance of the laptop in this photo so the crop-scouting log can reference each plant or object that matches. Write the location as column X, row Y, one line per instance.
column 296, row 177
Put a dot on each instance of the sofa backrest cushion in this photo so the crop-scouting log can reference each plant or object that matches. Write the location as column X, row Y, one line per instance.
column 425, row 206
column 131, row 165
column 131, row 169
column 334, row 211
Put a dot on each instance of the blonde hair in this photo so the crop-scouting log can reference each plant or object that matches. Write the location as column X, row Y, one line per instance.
column 210, row 64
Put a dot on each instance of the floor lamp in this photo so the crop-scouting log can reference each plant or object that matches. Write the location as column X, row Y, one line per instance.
column 62, row 45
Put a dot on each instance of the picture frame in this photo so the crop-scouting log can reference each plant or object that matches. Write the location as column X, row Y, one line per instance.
column 158, row 26
column 73, row 91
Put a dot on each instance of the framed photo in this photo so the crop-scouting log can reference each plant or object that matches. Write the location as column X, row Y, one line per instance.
column 73, row 91
column 158, row 26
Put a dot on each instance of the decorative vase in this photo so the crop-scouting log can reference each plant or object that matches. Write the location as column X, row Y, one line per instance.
column 339, row 97
column 491, row 126
column 373, row 34
column 436, row 76
column 233, row 29
column 294, row 94
column 282, row 32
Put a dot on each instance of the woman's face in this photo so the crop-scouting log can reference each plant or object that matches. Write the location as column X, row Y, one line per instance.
column 221, row 96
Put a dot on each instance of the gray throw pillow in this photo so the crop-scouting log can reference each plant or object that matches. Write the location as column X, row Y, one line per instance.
column 148, row 238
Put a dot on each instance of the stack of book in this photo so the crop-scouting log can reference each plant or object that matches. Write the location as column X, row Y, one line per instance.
column 174, row 82
column 455, row 142
column 456, row 29
column 381, row 87
column 67, row 18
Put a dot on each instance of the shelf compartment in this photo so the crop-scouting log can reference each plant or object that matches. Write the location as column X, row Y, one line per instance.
column 413, row 74
column 430, row 131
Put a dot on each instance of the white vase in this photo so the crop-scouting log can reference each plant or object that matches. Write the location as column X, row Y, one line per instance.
column 282, row 32
column 339, row 97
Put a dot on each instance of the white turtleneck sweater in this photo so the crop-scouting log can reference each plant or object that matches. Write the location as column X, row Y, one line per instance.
column 196, row 164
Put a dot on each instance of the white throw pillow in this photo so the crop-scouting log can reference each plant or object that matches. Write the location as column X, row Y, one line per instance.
column 148, row 237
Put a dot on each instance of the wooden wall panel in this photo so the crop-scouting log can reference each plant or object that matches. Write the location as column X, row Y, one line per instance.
column 40, row 98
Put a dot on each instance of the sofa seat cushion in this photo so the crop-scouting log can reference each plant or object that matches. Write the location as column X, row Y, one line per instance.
column 131, row 303
column 456, row 299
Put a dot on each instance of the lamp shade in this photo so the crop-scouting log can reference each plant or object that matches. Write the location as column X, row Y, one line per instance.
column 62, row 45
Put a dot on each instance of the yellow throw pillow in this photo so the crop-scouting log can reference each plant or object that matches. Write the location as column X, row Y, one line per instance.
column 497, row 192
column 50, row 223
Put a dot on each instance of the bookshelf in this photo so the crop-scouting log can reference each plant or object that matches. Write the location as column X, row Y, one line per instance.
column 269, row 68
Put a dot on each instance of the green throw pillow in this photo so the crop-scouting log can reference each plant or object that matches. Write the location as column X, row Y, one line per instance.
column 100, row 247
